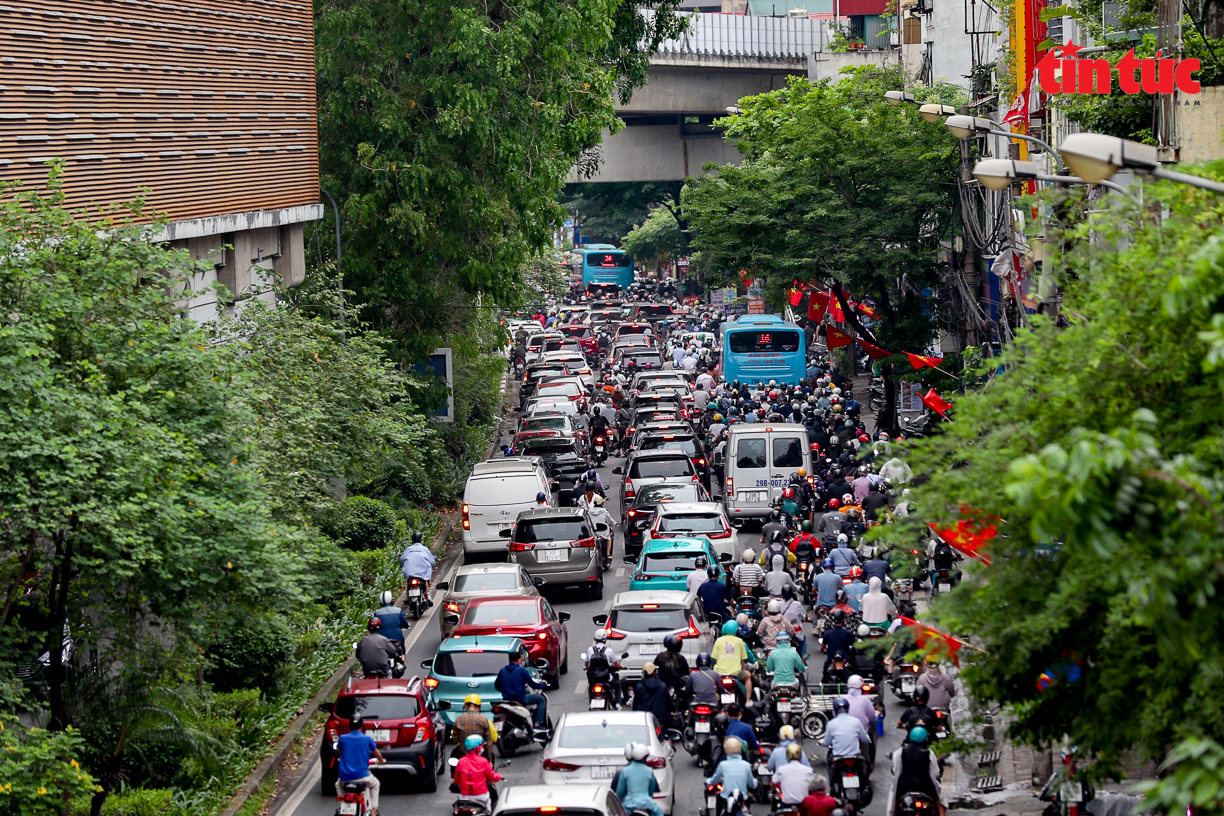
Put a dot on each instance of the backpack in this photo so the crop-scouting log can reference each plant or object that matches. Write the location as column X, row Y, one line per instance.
column 598, row 666
column 944, row 556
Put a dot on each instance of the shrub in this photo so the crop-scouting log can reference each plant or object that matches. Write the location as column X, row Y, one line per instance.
column 360, row 523
column 139, row 802
column 249, row 655
column 327, row 571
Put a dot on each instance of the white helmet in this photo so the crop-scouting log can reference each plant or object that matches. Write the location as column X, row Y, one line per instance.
column 864, row 630
column 786, row 732
column 854, row 680
column 775, row 606
column 386, row 599
column 742, row 619
column 749, row 555
column 636, row 751
column 842, row 538
column 601, row 635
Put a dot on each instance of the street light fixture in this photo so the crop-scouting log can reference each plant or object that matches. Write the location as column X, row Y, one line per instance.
column 933, row 112
column 998, row 174
column 962, row 127
column 899, row 97
column 1095, row 157
column 734, row 110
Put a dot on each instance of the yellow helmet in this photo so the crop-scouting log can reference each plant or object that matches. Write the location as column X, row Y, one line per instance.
column 802, row 471
column 472, row 699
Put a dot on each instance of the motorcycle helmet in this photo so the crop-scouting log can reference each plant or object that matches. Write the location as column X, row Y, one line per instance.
column 774, row 515
column 601, row 635
column 786, row 732
column 794, row 752
column 712, row 571
column 730, row 628
column 838, row 615
column 806, row 526
column 848, row 498
column 787, row 593
column 841, row 706
column 649, row 670
column 787, row 493
column 742, row 619
column 704, row 661
column 595, row 410
column 854, row 681
column 718, row 417
column 775, row 607
column 374, row 625
column 921, row 694
column 539, row 497
column 732, row 746
column 356, row 723
column 472, row 699
column 591, row 486
column 834, row 504
column 386, row 598
column 473, row 742
column 842, row 538
column 636, row 752
column 672, row 643
column 856, row 572
column 749, row 555
column 918, row 735
column 782, row 638
column 827, row 563
column 864, row 630
column 853, row 513
column 801, row 473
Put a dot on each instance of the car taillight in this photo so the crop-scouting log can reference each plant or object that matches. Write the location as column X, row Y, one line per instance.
column 431, row 682
column 632, row 430
column 332, row 733
column 542, row 636
column 612, row 633
column 704, row 711
column 423, row 732
column 553, row 765
column 467, row 523
column 521, row 546
column 730, row 484
column 692, row 630
column 628, row 488
column 701, row 462
column 726, row 533
column 585, row 542
column 656, row 762
column 452, row 606
column 632, row 514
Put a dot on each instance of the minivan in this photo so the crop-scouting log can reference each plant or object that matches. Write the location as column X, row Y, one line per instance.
column 758, row 461
column 495, row 493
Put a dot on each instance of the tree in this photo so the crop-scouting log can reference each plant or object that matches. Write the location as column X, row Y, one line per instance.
column 609, row 210
column 129, row 503
column 824, row 196
column 659, row 235
column 1099, row 447
column 447, row 129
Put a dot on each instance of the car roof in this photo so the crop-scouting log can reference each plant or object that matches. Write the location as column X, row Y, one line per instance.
column 506, row 599
column 550, row 512
column 382, row 686
column 469, row 569
column 658, row 453
column 533, row 797
column 510, row 464
column 766, row 426
column 689, row 507
column 677, row 543
column 637, row 597
column 611, row 717
column 491, row 643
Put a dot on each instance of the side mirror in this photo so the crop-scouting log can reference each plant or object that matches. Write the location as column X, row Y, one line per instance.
column 625, row 656
column 443, row 585
column 602, row 528
column 427, row 664
column 329, row 707
column 617, row 471
column 443, row 705
column 542, row 664
column 563, row 616
column 539, row 582
column 643, row 524
column 600, row 620
column 629, row 559
column 453, row 762
column 724, row 558
column 505, row 533
column 674, row 735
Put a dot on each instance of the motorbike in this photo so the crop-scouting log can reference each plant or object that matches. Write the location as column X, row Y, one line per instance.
column 351, row 800
column 943, row 724
column 787, row 706
column 513, row 722
column 904, row 681
column 417, row 597
column 749, row 605
column 804, row 580
column 849, row 781
column 469, row 807
column 699, row 728
column 716, row 805
column 764, row 790
column 917, row 804
column 731, row 692
column 942, row 582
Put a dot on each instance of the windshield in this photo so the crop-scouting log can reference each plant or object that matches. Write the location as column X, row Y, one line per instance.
column 644, row 359
column 502, row 614
column 576, row 331
column 752, row 342
column 691, row 522
column 671, row 562
column 666, row 493
column 649, row 620
column 654, row 311
column 629, row 328
column 556, row 529
column 551, row 449
column 787, row 452
column 566, row 388
column 655, row 442
column 546, row 424
column 536, row 374
column 479, row 581
column 476, row 663
column 612, row 735
column 750, row 453
column 497, row 490
column 378, row 707
column 661, row 468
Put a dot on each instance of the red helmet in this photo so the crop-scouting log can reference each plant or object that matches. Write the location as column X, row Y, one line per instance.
column 788, row 492
column 864, row 438
column 374, row 625
column 856, row 572
column 834, row 504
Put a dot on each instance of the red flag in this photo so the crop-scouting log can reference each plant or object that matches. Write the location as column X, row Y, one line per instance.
column 918, row 361
column 968, row 537
column 835, row 309
column 874, row 352
column 867, row 310
column 817, row 303
column 936, row 403
column 745, row 278
column 796, row 295
column 836, row 338
column 933, row 640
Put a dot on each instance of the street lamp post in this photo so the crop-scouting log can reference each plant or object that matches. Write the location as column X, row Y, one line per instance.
column 1095, row 157
column 962, row 127
column 998, row 174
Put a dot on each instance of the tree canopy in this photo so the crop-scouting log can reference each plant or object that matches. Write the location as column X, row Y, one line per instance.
column 659, row 234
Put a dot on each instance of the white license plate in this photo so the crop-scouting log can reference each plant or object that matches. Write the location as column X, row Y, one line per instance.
column 414, row 593
column 784, row 706
column 554, row 555
column 598, row 702
column 941, row 734
column 381, row 735
column 750, row 497
column 599, row 448
column 602, row 771
column 908, row 684
column 702, row 727
column 348, row 809
column 945, row 585
column 712, row 802
column 650, row 648
column 850, row 781
column 727, row 697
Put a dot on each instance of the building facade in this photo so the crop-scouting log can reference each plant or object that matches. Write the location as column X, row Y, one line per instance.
column 205, row 108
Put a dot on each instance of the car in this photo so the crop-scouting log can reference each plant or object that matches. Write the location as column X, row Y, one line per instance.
column 469, row 665
column 532, row 376
column 666, row 399
column 531, row 619
column 640, row 619
column 565, row 388
column 482, row 581
column 550, row 405
column 649, row 467
column 564, row 460
column 495, row 491
column 583, row 334
column 642, row 358
column 706, row 520
column 557, row 800
column 648, row 414
column 646, row 502
column 651, row 312
column 407, row 726
column 673, row 426
column 544, row 425
column 684, row 440
column 556, row 545
column 588, row 748
column 632, row 329
column 575, row 363
column 643, row 379
column 536, row 343
column 600, row 317
column 759, row 458
column 665, row 563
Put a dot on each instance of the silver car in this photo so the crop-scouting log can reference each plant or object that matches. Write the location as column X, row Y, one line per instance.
column 641, row 619
column 557, row 547
column 482, row 581
column 705, row 520
column 533, row 800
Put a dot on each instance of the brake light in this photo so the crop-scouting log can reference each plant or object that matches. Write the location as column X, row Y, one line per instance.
column 628, row 489
column 551, row 764
column 597, row 689
column 452, row 606
column 656, row 762
column 423, row 732
column 726, row 533
column 521, row 546
column 730, row 483
column 415, row 582
column 914, row 668
column 613, row 635
column 431, row 682
column 585, row 542
column 533, row 348
column 632, row 514
column 691, row 632
column 467, row 523
column 702, row 710
column 728, row 681
column 632, row 430
column 701, row 462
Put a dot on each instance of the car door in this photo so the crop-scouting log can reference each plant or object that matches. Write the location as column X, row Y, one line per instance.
column 786, row 456
column 558, row 629
column 749, row 462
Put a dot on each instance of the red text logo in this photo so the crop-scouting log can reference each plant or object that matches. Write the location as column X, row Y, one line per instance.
column 1151, row 75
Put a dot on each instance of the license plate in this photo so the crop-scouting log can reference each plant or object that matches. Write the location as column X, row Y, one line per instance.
column 751, row 497
column 414, row 593
column 945, row 585
column 499, row 725
column 381, row 735
column 850, row 781
column 348, row 809
column 941, row 734
column 603, row 771
column 598, row 702
column 784, row 706
column 712, row 802
column 727, row 697
column 599, row 448
column 505, row 525
column 908, row 684
column 701, row 727
column 650, row 648
column 553, row 555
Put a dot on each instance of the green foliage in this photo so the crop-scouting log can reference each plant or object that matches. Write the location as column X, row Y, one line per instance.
column 609, row 210
column 248, row 655
column 360, row 523
column 39, row 773
column 1100, row 447
column 139, row 802
column 659, row 236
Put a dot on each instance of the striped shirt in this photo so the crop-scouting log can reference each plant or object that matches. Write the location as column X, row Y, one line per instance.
column 749, row 575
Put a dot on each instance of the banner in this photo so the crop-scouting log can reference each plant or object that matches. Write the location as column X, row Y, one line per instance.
column 756, row 306
column 909, row 397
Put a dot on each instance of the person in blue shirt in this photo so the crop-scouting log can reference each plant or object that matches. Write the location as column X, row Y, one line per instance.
column 635, row 783
column 418, row 562
column 736, row 727
column 354, row 751
column 844, row 735
column 837, row 638
column 733, row 772
column 394, row 621
column 513, row 681
column 777, row 758
column 826, row 585
column 856, row 589
column 714, row 594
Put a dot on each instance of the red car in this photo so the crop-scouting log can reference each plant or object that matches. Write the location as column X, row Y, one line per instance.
column 532, row 619
column 583, row 334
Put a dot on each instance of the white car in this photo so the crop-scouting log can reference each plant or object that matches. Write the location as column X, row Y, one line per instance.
column 641, row 619
column 588, row 748
column 696, row 520
column 533, row 800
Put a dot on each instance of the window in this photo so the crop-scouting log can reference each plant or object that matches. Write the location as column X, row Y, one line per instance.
column 654, row 311
column 649, row 620
column 787, row 452
column 661, row 468
column 378, row 707
column 500, row 490
column 675, row 443
column 613, row 735
column 691, row 523
column 750, row 453
column 482, row 581
column 470, row 664
column 502, row 614
column 652, row 358
column 913, row 31
column 608, row 260
column 549, row 449
column 670, row 562
column 751, row 342
column 664, row 493
column 532, row 531
column 549, row 614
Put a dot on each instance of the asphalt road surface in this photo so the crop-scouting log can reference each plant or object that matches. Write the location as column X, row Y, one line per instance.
column 399, row 797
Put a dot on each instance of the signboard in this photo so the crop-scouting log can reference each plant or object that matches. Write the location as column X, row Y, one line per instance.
column 716, row 298
column 909, row 397
column 439, row 364
column 691, row 300
column 729, row 294
column 756, row 305
column 569, row 223
column 754, row 290
column 683, row 263
column 735, row 307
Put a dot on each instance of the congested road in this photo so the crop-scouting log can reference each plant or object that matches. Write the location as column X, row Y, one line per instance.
column 400, row 797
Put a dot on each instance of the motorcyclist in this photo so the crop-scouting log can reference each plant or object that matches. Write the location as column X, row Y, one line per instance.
column 602, row 665
column 943, row 559
column 776, row 546
column 818, row 802
column 805, row 546
column 748, row 576
column 514, row 682
column 418, row 562
column 731, row 655
column 831, row 522
column 652, row 695
column 702, row 685
column 785, row 664
column 778, row 579
column 940, row 685
column 877, row 608
column 773, row 625
column 698, row 576
column 355, row 748
column 777, row 757
column 734, row 773
column 856, row 589
column 796, row 615
column 915, row 769
column 837, row 638
column 376, row 652
column 600, row 515
column 394, row 621
column 599, row 422
column 470, row 722
column 714, row 594
column 843, row 557
column 827, row 584
column 673, row 667
column 919, row 714
column 838, row 670
column 844, row 735
column 774, row 525
column 474, row 772
column 792, row 778
column 736, row 727
column 861, row 707
column 635, row 783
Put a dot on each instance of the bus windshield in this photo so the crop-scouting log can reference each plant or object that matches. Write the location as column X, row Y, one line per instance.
column 751, row 342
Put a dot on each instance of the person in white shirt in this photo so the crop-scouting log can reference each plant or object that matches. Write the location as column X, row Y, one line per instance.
column 698, row 576
column 689, row 363
column 705, row 381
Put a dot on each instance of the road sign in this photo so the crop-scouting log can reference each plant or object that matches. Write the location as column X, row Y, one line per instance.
column 716, row 298
column 569, row 223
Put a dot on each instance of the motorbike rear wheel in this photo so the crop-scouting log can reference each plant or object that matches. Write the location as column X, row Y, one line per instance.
column 814, row 724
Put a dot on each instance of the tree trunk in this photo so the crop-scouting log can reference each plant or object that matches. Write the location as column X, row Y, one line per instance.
column 18, row 581
column 886, row 420
column 58, row 608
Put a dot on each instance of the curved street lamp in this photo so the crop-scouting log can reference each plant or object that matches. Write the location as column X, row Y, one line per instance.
column 933, row 112
column 899, row 98
column 1095, row 157
column 998, row 174
column 962, row 127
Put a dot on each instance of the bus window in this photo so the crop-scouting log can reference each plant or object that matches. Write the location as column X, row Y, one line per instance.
column 749, row 342
column 787, row 452
column 750, row 453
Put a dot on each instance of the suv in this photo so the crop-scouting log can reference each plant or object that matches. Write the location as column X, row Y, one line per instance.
column 495, row 492
column 556, row 545
column 686, row 441
column 666, row 563
column 641, row 619
column 649, row 467
column 570, row 800
column 646, row 504
column 705, row 520
column 469, row 665
column 532, row 376
column 409, row 731
column 564, row 461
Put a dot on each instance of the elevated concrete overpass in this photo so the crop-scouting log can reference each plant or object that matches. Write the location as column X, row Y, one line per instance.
column 693, row 80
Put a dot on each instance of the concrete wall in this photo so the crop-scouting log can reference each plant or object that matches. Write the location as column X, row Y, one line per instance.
column 828, row 64
column 657, row 153
column 1201, row 125
column 951, row 48
column 696, row 90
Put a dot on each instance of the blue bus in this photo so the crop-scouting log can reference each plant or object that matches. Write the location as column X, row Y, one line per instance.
column 759, row 348
column 602, row 267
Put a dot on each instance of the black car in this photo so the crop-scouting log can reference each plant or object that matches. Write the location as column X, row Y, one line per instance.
column 686, row 441
column 641, row 514
column 563, row 460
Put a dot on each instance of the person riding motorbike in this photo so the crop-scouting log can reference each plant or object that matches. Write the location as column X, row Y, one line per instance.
column 827, row 584
column 599, row 422
column 778, row 579
column 602, row 665
column 474, row 772
column 843, row 557
column 915, row 769
column 940, row 685
column 919, row 714
column 353, row 760
column 774, row 525
column 844, row 735
column 394, row 621
column 635, row 783
column 418, row 562
column 714, row 594
column 735, row 774
column 731, row 657
column 376, row 652
column 600, row 515
column 698, row 576
column 652, row 695
column 785, row 664
column 837, row 638
column 777, row 757
column 702, row 685
column 748, row 576
column 673, row 667
column 837, row 672
column 856, row 589
column 514, row 682
column 792, row 778
column 796, row 615
column 806, row 545
column 776, row 547
column 773, row 625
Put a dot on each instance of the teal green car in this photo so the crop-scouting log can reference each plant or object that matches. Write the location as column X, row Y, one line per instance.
column 469, row 665
column 665, row 563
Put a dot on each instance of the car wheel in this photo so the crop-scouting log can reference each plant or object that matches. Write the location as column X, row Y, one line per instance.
column 429, row 782
column 565, row 663
column 554, row 681
column 596, row 591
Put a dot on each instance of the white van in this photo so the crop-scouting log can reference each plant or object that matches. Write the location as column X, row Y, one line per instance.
column 758, row 460
column 495, row 493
